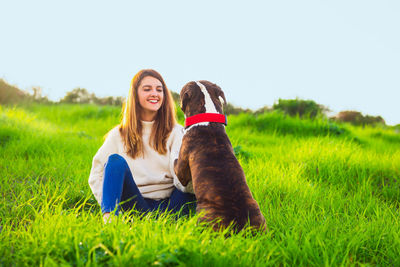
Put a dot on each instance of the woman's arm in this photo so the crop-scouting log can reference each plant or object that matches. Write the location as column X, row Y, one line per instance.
column 99, row 160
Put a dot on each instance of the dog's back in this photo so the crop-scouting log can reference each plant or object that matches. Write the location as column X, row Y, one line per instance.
column 220, row 184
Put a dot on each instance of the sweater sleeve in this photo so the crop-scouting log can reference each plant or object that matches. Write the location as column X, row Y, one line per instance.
column 99, row 160
column 177, row 136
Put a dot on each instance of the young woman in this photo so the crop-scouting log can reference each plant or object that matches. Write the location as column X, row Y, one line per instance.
column 134, row 168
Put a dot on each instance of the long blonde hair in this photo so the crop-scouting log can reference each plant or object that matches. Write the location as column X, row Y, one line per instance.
column 131, row 126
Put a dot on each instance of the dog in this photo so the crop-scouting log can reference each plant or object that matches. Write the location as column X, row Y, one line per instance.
column 207, row 158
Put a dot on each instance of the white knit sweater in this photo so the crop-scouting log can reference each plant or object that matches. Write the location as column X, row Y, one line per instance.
column 153, row 173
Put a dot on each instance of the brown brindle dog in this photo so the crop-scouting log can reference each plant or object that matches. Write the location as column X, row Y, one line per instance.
column 207, row 158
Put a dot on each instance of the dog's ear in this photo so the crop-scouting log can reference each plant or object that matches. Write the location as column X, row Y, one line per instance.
column 222, row 99
column 185, row 96
column 184, row 100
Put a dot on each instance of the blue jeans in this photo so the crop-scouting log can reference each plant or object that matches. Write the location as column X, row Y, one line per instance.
column 121, row 191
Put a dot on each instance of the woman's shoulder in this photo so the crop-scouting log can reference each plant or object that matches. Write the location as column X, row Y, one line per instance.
column 113, row 133
column 178, row 127
column 177, row 132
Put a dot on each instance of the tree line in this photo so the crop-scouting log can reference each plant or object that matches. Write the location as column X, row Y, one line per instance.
column 301, row 108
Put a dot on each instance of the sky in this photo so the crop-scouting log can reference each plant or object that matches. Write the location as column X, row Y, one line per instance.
column 344, row 55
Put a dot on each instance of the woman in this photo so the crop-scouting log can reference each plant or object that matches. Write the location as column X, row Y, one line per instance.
column 134, row 168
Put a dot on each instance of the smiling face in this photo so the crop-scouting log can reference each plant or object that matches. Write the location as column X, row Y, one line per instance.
column 151, row 96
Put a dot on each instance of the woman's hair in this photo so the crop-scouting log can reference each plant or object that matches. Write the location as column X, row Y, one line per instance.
column 131, row 126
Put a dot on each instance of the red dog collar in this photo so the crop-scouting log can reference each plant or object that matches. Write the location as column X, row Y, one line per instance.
column 206, row 117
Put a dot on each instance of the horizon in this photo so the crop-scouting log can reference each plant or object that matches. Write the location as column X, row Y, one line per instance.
column 325, row 111
column 342, row 55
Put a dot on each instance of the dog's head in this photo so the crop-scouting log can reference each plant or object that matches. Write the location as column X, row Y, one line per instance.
column 202, row 97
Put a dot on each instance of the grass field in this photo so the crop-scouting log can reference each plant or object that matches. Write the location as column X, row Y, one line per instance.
column 330, row 194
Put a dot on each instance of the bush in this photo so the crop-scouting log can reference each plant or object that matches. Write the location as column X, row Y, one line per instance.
column 37, row 95
column 175, row 96
column 109, row 100
column 299, row 107
column 263, row 110
column 357, row 118
column 78, row 95
column 11, row 94
column 82, row 96
column 231, row 109
column 277, row 123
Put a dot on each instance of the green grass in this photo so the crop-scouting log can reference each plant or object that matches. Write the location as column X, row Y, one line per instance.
column 330, row 194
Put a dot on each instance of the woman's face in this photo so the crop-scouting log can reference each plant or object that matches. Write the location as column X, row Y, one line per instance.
column 151, row 96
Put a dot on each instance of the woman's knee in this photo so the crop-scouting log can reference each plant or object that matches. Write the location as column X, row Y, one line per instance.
column 115, row 160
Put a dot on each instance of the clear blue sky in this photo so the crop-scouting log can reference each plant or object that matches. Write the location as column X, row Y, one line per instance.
column 342, row 54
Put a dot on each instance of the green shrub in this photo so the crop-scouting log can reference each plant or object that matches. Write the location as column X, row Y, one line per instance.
column 280, row 124
column 82, row 96
column 11, row 94
column 263, row 110
column 230, row 109
column 175, row 97
column 357, row 118
column 299, row 107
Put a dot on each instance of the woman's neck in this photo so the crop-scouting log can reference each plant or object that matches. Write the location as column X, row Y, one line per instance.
column 148, row 116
